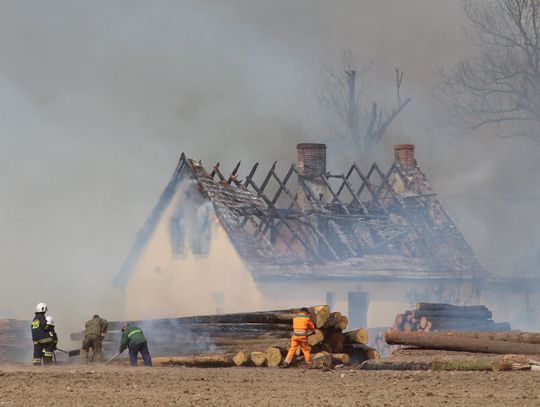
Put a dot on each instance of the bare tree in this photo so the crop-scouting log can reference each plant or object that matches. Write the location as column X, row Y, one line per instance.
column 498, row 87
column 361, row 123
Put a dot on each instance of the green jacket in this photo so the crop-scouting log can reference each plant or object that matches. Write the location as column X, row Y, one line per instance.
column 131, row 336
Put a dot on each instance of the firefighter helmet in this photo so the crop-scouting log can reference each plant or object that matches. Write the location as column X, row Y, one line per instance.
column 41, row 307
column 50, row 320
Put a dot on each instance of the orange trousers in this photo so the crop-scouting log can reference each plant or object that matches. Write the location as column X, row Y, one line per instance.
column 297, row 341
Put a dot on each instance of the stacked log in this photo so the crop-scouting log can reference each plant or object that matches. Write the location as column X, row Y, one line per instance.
column 481, row 342
column 247, row 339
column 437, row 317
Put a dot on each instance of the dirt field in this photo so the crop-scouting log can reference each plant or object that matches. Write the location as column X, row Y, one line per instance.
column 176, row 386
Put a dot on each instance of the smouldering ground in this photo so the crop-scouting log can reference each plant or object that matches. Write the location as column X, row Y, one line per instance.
column 174, row 386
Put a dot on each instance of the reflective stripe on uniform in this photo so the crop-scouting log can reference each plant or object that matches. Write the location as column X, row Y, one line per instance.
column 45, row 340
column 136, row 331
column 297, row 333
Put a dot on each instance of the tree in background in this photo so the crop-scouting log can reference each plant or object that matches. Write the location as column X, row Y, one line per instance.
column 360, row 123
column 499, row 86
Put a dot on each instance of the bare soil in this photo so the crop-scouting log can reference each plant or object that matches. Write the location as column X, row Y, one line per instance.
column 178, row 386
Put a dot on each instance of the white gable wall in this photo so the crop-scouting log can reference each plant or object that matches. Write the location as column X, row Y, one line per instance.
column 164, row 284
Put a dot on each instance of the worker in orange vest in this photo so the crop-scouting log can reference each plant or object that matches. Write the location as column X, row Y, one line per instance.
column 301, row 325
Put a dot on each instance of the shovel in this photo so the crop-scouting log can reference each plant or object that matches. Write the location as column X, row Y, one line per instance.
column 75, row 352
column 114, row 357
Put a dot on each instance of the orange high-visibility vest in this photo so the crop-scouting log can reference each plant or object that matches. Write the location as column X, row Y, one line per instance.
column 301, row 323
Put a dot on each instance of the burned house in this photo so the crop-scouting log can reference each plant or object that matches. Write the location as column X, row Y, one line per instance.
column 367, row 242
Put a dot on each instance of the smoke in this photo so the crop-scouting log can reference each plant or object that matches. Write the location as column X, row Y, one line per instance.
column 98, row 100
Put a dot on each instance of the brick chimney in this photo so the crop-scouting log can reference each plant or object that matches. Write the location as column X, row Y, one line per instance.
column 311, row 159
column 404, row 156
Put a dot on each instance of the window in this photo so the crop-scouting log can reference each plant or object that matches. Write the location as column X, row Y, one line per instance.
column 200, row 239
column 178, row 237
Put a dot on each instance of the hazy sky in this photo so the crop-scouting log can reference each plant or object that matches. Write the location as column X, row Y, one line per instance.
column 98, row 99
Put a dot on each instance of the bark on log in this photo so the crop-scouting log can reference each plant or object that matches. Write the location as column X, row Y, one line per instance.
column 357, row 336
column 273, row 356
column 480, row 364
column 318, row 313
column 218, row 360
column 333, row 320
column 445, row 307
column 518, row 337
column 474, row 314
column 450, row 341
column 391, row 365
column 335, row 341
column 495, row 327
column 341, row 358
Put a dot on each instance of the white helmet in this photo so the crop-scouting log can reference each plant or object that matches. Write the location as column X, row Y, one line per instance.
column 50, row 320
column 41, row 307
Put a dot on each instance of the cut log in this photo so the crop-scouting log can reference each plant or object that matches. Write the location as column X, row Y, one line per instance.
column 341, row 358
column 449, row 307
column 319, row 315
column 494, row 327
column 315, row 338
column 451, row 341
column 321, row 360
column 241, row 358
column 392, row 365
column 479, row 364
column 257, row 358
column 473, row 314
column 273, row 356
column 343, row 322
column 357, row 336
column 217, row 360
column 519, row 337
column 333, row 320
column 422, row 323
column 335, row 342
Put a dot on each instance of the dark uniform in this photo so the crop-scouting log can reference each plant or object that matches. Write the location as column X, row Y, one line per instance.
column 133, row 338
column 50, row 348
column 95, row 330
column 42, row 340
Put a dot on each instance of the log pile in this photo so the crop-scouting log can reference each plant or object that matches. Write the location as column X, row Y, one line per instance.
column 246, row 339
column 429, row 317
column 15, row 340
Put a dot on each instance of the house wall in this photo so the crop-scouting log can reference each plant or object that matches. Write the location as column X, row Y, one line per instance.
column 165, row 284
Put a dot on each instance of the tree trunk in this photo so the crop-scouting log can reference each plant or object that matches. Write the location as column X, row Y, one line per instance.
column 449, row 307
column 391, row 365
column 452, row 341
column 217, row 360
column 335, row 341
column 333, row 320
column 518, row 337
column 461, row 314
column 480, row 364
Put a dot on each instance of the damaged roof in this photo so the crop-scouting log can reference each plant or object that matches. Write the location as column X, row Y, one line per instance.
column 309, row 223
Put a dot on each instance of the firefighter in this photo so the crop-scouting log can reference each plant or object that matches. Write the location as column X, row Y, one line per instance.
column 133, row 339
column 41, row 338
column 50, row 348
column 95, row 330
column 301, row 325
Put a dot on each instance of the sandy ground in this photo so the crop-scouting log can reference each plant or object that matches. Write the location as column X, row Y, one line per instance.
column 178, row 386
